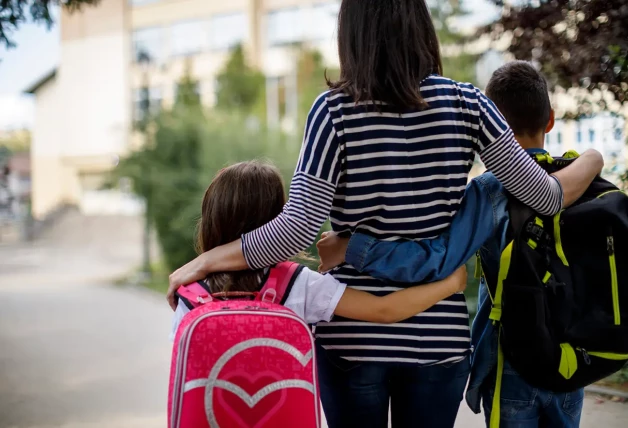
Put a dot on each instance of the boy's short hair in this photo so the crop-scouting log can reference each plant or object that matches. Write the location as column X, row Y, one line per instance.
column 520, row 93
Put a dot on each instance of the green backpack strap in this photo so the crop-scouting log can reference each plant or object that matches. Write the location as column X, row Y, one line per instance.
column 496, row 316
column 504, row 267
column 496, row 407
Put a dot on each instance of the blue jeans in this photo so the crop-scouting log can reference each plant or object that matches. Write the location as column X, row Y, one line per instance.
column 357, row 394
column 523, row 406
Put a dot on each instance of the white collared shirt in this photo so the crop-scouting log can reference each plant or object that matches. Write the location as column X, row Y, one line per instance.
column 313, row 297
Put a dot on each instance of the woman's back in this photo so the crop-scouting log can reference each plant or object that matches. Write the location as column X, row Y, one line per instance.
column 402, row 176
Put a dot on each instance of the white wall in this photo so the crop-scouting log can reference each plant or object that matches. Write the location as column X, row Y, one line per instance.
column 46, row 135
column 93, row 81
column 48, row 174
column 110, row 202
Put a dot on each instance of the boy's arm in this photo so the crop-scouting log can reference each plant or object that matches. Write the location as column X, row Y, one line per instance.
column 423, row 261
column 400, row 305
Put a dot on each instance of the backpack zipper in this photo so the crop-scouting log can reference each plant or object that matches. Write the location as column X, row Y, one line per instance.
column 610, row 247
column 609, row 192
column 559, row 244
column 605, row 355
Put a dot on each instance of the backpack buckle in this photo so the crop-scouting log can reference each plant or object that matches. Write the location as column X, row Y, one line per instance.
column 538, row 233
column 201, row 299
column 269, row 296
column 535, row 231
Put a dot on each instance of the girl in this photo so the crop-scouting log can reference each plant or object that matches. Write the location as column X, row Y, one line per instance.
column 246, row 195
column 387, row 151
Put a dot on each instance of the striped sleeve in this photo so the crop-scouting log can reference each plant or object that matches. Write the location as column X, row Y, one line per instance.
column 311, row 195
column 512, row 166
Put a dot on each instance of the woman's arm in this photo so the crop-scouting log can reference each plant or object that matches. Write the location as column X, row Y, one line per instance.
column 311, row 195
column 520, row 174
column 400, row 305
column 575, row 181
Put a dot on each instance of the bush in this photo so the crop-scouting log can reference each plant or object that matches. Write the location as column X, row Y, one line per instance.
column 186, row 151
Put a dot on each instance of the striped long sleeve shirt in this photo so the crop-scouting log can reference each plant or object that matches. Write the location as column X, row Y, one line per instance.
column 397, row 176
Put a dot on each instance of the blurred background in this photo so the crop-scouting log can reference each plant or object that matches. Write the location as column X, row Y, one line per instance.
column 116, row 114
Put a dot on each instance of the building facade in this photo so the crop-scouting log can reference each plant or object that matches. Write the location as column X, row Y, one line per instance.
column 604, row 132
column 86, row 107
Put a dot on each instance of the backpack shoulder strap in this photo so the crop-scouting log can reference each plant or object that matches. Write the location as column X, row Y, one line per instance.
column 519, row 214
column 193, row 295
column 280, row 280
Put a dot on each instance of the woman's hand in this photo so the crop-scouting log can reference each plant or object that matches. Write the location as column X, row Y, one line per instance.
column 576, row 178
column 193, row 271
column 226, row 258
column 331, row 250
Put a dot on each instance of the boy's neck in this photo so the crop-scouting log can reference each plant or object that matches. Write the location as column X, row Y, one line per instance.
column 531, row 142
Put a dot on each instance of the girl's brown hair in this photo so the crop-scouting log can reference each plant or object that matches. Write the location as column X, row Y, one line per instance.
column 241, row 198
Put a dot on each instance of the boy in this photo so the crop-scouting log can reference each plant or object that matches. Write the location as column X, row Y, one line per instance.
column 520, row 93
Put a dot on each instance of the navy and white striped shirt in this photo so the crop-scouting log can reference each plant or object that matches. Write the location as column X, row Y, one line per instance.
column 397, row 176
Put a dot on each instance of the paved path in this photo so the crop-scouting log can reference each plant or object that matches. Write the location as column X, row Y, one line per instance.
column 78, row 352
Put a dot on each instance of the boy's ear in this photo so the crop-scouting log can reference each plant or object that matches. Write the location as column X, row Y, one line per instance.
column 550, row 123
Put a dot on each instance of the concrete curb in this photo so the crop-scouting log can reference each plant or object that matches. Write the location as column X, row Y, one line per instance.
column 602, row 390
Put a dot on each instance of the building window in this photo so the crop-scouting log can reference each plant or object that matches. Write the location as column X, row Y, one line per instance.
column 149, row 42
column 154, row 97
column 547, row 139
column 189, row 38
column 141, row 2
column 227, row 31
column 285, row 26
column 579, row 135
column 324, row 20
column 605, row 135
column 591, row 135
column 618, row 134
column 559, row 137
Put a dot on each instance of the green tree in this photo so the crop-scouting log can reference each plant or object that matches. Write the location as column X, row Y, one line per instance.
column 165, row 172
column 577, row 43
column 311, row 80
column 16, row 141
column 240, row 86
column 457, row 64
column 13, row 13
column 187, row 96
column 185, row 148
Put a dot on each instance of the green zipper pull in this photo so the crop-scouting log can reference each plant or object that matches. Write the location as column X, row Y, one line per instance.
column 610, row 245
column 478, row 266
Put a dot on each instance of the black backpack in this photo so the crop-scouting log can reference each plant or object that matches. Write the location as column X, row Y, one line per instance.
column 561, row 295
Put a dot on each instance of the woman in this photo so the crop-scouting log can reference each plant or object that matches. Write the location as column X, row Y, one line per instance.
column 387, row 151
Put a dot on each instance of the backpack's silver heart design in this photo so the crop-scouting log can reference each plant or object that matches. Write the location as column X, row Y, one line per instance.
column 251, row 400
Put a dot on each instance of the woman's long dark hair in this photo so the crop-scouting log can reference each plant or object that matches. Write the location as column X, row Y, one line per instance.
column 241, row 198
column 386, row 48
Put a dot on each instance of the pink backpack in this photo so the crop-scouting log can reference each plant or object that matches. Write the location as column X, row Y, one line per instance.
column 243, row 363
